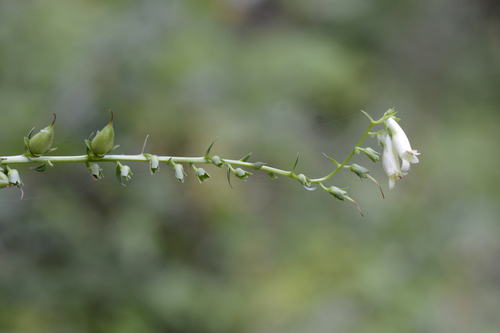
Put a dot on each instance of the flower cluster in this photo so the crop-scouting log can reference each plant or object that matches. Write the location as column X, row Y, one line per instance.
column 396, row 146
column 396, row 159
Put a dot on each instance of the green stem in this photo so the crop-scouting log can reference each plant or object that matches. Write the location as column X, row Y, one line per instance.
column 341, row 165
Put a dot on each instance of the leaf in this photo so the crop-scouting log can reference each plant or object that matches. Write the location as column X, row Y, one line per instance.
column 229, row 175
column 42, row 167
column 245, row 158
column 272, row 175
column 210, row 147
column 296, row 161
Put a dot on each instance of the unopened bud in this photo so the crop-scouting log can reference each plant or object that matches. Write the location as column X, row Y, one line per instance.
column 41, row 142
column 104, row 139
column 14, row 177
column 4, row 180
column 95, row 171
column 359, row 170
column 217, row 161
column 154, row 163
column 201, row 174
column 372, row 154
column 179, row 172
column 241, row 174
column 337, row 192
column 122, row 172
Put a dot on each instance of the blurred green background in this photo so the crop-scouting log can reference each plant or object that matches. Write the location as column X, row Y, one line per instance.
column 273, row 78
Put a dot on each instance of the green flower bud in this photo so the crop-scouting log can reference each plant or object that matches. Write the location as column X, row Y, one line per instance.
column 359, row 170
column 241, row 174
column 14, row 177
column 122, row 172
column 41, row 142
column 217, row 161
column 179, row 172
column 4, row 180
column 337, row 193
column 104, row 139
column 154, row 163
column 201, row 174
column 372, row 154
column 95, row 171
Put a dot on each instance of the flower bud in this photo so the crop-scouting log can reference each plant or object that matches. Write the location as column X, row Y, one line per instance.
column 372, row 154
column 217, row 161
column 95, row 171
column 14, row 177
column 4, row 180
column 241, row 174
column 154, row 163
column 104, row 139
column 122, row 172
column 201, row 174
column 337, row 193
column 359, row 170
column 179, row 172
column 41, row 142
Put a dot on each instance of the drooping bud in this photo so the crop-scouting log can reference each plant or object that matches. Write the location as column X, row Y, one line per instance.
column 95, row 171
column 4, row 180
column 179, row 172
column 201, row 174
column 372, row 154
column 104, row 139
column 41, row 142
column 337, row 192
column 14, row 177
column 360, row 171
column 122, row 172
column 241, row 174
column 154, row 163
column 217, row 161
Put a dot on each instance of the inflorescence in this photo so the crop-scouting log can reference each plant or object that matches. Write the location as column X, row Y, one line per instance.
column 392, row 137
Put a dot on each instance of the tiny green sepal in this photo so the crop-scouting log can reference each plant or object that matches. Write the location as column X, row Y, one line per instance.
column 41, row 142
column 43, row 167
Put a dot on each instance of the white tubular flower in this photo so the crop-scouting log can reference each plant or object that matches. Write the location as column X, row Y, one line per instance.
column 402, row 144
column 390, row 161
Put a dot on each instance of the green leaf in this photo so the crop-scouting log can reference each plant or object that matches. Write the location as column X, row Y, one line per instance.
column 229, row 175
column 272, row 175
column 42, row 167
column 245, row 158
column 296, row 161
column 210, row 147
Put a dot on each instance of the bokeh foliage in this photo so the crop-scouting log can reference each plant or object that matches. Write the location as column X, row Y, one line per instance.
column 274, row 78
